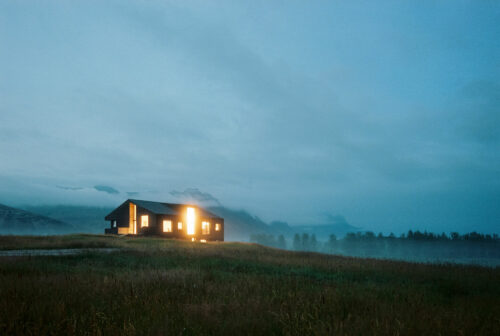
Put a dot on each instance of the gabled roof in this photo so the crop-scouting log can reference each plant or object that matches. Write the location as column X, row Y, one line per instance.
column 155, row 207
column 174, row 209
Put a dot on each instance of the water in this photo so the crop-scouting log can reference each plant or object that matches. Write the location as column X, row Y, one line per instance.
column 54, row 252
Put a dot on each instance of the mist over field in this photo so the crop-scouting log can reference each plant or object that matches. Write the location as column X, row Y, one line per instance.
column 337, row 238
column 386, row 115
column 193, row 167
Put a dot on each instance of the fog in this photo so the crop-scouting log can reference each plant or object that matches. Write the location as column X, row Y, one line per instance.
column 384, row 114
column 472, row 248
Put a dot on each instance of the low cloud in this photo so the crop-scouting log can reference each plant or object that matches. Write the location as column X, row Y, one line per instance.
column 336, row 219
column 106, row 189
column 69, row 188
column 195, row 195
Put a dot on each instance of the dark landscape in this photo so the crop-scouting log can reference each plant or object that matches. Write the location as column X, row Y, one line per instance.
column 229, row 167
column 149, row 285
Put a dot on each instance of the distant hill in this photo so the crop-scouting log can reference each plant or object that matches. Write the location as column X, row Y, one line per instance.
column 239, row 224
column 17, row 221
column 84, row 219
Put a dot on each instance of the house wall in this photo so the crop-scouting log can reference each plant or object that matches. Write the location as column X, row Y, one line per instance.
column 152, row 227
column 120, row 215
column 155, row 227
column 182, row 234
column 176, row 233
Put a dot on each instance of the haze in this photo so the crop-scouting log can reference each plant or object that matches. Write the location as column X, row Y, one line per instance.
column 385, row 113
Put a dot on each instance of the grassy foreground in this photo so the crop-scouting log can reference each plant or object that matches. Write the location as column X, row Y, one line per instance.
column 158, row 286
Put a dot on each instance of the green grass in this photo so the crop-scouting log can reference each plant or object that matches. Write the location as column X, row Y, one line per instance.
column 159, row 286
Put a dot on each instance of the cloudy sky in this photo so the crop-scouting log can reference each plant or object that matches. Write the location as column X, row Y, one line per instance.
column 385, row 112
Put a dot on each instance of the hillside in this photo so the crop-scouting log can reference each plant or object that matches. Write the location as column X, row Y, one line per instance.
column 160, row 286
column 17, row 221
column 239, row 224
column 85, row 219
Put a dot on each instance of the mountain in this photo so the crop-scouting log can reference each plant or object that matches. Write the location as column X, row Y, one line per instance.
column 239, row 224
column 84, row 219
column 17, row 221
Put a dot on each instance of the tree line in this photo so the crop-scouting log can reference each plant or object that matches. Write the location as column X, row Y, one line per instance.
column 415, row 245
column 305, row 241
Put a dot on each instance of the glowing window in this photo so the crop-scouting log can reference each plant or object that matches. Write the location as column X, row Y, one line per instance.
column 167, row 226
column 217, row 227
column 191, row 218
column 144, row 221
column 179, row 226
column 203, row 240
column 205, row 228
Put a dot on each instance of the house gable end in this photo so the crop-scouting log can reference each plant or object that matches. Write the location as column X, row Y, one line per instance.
column 114, row 214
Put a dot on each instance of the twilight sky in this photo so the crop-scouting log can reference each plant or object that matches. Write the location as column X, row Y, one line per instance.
column 384, row 112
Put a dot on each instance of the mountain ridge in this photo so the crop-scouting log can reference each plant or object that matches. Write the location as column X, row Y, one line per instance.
column 239, row 224
column 19, row 221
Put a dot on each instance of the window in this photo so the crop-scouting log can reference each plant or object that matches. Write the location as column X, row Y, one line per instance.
column 190, row 221
column 144, row 221
column 167, row 226
column 217, row 227
column 205, row 228
column 113, row 223
column 179, row 226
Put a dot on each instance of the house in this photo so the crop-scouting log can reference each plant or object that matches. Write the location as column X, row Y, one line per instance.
column 185, row 221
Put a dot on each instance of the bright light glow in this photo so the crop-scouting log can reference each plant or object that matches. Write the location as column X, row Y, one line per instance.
column 217, row 227
column 123, row 230
column 167, row 226
column 203, row 240
column 132, row 225
column 144, row 221
column 191, row 218
column 193, row 239
column 179, row 226
column 205, row 228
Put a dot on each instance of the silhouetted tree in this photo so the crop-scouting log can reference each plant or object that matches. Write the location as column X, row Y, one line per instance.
column 296, row 242
column 313, row 245
column 305, row 241
column 369, row 235
column 331, row 244
column 281, row 242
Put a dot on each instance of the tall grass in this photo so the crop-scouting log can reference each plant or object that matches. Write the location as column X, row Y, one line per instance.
column 158, row 286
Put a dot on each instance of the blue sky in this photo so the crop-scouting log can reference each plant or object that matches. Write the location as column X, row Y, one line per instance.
column 386, row 112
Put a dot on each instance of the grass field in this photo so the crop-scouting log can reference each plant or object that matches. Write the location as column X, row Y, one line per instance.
column 157, row 286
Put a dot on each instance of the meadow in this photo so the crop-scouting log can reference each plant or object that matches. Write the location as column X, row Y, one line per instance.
column 159, row 286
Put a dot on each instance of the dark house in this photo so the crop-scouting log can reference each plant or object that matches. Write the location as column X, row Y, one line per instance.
column 136, row 217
